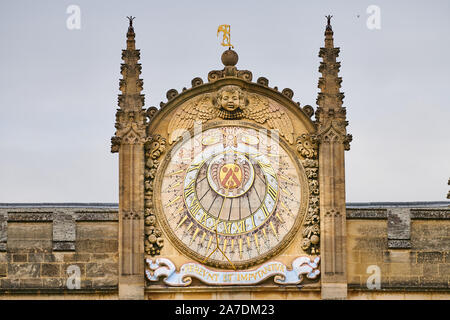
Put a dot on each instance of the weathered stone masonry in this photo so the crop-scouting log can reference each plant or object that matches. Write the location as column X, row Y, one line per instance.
column 38, row 245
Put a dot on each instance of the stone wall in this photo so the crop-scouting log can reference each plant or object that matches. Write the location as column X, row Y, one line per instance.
column 43, row 250
column 41, row 247
column 409, row 247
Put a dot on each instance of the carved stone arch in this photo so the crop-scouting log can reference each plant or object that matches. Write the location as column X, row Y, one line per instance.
column 131, row 137
column 296, row 113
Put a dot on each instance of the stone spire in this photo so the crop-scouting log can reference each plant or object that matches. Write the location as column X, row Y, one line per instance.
column 130, row 117
column 329, row 100
column 129, row 141
column 333, row 140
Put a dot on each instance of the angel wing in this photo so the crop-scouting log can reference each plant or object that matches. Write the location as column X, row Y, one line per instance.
column 263, row 110
column 201, row 109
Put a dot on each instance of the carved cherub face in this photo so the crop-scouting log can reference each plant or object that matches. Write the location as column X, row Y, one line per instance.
column 230, row 98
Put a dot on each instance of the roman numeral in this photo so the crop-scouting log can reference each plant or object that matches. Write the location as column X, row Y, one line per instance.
column 196, row 166
column 240, row 226
column 272, row 192
column 203, row 218
column 265, row 211
column 189, row 189
column 195, row 206
column 227, row 226
column 267, row 168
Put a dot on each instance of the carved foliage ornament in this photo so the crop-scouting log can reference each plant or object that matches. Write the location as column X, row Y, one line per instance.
column 154, row 148
column 306, row 146
column 311, row 231
column 231, row 102
column 308, row 149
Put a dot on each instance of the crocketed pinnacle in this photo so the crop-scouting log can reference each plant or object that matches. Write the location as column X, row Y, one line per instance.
column 329, row 97
column 130, row 84
column 330, row 113
column 130, row 117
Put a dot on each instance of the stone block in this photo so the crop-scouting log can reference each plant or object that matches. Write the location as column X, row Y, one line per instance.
column 402, row 256
column 3, row 269
column 366, row 214
column 63, row 228
column 371, row 257
column 105, row 283
column 50, row 270
column 354, row 281
column 49, row 257
column 77, row 257
column 53, row 283
column 23, row 246
column 97, row 230
column 96, row 246
column 58, row 256
column 444, row 269
column 3, row 228
column 399, row 223
column 430, row 235
column 29, row 231
column 96, row 216
column 430, row 257
column 30, row 216
column 20, row 257
column 430, row 269
column 36, row 257
column 433, row 282
column 23, row 270
column 63, row 246
column 5, row 257
column 434, row 213
column 94, row 270
column 9, row 283
column 399, row 244
column 29, row 237
column 30, row 283
column 405, row 269
column 401, row 282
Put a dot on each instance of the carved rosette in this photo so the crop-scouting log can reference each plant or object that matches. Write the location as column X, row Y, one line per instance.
column 308, row 149
column 154, row 147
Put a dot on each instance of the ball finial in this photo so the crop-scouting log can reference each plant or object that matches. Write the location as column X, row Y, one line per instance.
column 229, row 58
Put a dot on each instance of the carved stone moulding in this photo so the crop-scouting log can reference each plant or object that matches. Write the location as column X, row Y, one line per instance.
column 154, row 148
column 308, row 150
column 165, row 269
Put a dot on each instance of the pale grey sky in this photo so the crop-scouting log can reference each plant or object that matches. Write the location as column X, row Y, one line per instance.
column 60, row 86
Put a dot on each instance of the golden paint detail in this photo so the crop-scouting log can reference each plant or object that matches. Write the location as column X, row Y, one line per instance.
column 212, row 225
column 217, row 243
column 226, row 38
column 181, row 222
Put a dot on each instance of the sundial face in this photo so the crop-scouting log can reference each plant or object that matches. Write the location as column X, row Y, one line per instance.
column 232, row 188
